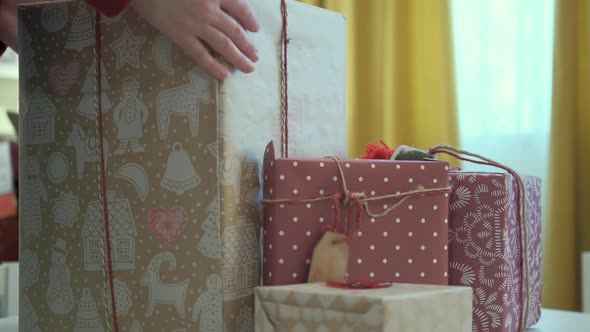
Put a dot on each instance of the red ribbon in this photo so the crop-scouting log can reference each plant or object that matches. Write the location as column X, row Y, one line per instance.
column 285, row 81
column 103, row 184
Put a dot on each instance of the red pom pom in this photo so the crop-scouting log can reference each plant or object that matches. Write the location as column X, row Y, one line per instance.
column 374, row 151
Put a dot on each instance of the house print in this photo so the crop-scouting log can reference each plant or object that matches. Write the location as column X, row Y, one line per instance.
column 122, row 234
column 40, row 119
column 240, row 259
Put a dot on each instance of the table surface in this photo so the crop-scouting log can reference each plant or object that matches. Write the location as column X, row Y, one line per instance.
column 551, row 321
column 558, row 321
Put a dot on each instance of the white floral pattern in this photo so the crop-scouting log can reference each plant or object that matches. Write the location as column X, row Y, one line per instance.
column 484, row 237
column 460, row 198
column 467, row 276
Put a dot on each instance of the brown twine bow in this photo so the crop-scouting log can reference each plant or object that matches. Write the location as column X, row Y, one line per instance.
column 521, row 217
column 358, row 200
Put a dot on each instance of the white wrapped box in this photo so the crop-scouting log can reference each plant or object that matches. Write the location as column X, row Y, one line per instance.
column 400, row 308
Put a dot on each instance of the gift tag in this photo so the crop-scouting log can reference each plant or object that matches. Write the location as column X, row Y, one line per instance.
column 330, row 259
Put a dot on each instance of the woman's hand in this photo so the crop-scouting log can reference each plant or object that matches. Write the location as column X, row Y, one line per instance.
column 197, row 25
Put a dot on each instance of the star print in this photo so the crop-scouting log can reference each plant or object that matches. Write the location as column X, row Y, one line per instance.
column 127, row 48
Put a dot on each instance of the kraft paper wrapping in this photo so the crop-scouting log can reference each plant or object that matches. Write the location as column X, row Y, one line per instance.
column 400, row 308
column 485, row 251
column 181, row 159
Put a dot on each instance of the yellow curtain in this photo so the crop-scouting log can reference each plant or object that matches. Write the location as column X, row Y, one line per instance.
column 401, row 85
column 567, row 233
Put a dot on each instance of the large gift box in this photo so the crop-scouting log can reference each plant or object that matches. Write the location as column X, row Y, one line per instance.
column 139, row 179
column 400, row 308
column 487, row 247
column 388, row 220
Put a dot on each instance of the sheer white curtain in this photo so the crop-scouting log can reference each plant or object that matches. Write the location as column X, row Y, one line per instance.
column 503, row 60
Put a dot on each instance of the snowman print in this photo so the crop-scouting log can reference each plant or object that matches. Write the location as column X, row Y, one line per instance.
column 60, row 297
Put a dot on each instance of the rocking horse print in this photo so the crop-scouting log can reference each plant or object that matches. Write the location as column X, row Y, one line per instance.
column 183, row 101
column 85, row 147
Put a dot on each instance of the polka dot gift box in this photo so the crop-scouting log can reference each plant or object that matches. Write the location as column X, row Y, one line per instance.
column 392, row 216
column 139, row 182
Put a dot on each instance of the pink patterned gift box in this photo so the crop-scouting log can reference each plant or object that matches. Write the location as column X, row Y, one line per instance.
column 485, row 246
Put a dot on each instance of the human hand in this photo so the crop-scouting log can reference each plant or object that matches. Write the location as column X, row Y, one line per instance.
column 195, row 25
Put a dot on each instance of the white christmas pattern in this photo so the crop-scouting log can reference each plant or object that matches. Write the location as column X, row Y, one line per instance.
column 63, row 76
column 122, row 297
column 28, row 318
column 33, row 191
column 86, row 148
column 209, row 244
column 161, row 51
column 122, row 234
column 168, row 224
column 240, row 259
column 82, row 29
column 180, row 175
column 208, row 309
column 130, row 117
column 135, row 327
column 54, row 17
column 245, row 321
column 57, row 167
column 60, row 297
column 127, row 48
column 29, row 268
column 229, row 169
column 65, row 209
column 87, row 106
column 40, row 119
column 183, row 101
column 27, row 58
column 136, row 175
column 87, row 319
column 161, row 292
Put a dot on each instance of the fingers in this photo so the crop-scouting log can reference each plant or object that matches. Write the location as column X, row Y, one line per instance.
column 242, row 12
column 223, row 45
column 227, row 25
column 197, row 51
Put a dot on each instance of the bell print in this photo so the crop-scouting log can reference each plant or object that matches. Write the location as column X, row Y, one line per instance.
column 87, row 320
column 180, row 175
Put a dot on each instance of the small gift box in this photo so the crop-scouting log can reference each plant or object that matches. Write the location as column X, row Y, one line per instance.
column 400, row 308
column 495, row 243
column 368, row 220
column 486, row 248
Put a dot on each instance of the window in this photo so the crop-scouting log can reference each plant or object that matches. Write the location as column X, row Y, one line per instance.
column 93, row 250
column 504, row 61
column 122, row 250
column 229, row 278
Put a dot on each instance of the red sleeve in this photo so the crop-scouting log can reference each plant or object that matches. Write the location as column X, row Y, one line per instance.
column 109, row 7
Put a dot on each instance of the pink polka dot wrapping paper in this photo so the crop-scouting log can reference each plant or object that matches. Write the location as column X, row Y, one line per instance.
column 409, row 244
column 485, row 251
